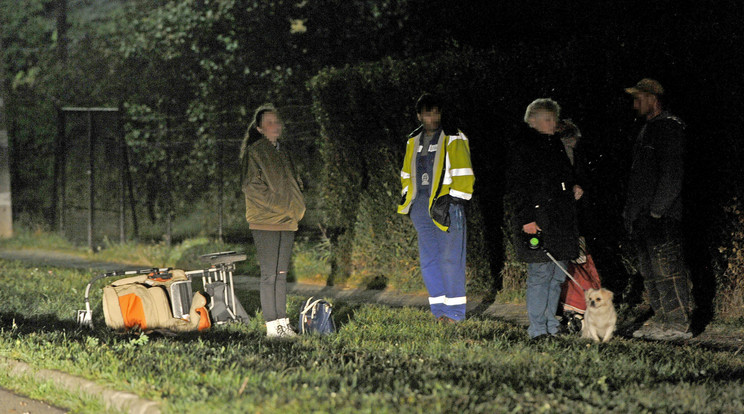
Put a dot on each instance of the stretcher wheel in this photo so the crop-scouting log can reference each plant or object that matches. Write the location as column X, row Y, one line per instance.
column 575, row 322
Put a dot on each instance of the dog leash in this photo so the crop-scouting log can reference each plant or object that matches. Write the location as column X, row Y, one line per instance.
column 564, row 270
column 535, row 242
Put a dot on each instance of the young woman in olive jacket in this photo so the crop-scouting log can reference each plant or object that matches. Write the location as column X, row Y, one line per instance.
column 274, row 205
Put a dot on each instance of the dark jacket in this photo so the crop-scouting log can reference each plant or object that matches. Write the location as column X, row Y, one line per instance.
column 586, row 217
column 655, row 182
column 580, row 165
column 541, row 184
column 273, row 200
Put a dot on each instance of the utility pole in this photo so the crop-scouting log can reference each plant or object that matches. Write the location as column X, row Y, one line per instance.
column 6, row 212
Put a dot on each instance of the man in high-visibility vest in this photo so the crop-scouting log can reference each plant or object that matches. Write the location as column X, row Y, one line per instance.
column 437, row 178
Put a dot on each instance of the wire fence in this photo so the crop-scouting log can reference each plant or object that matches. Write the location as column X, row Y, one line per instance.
column 176, row 183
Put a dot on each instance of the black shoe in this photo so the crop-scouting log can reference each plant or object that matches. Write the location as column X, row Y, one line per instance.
column 575, row 324
column 446, row 320
column 540, row 338
column 562, row 333
column 676, row 331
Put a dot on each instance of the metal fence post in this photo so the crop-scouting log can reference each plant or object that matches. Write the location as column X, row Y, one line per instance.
column 220, row 190
column 122, row 176
column 91, row 180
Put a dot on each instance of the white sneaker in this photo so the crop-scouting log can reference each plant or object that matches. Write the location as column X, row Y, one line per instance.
column 272, row 328
column 284, row 329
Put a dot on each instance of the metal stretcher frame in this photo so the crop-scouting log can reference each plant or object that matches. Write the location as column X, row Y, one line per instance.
column 221, row 269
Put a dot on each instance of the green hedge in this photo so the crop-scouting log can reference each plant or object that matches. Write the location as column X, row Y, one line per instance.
column 365, row 113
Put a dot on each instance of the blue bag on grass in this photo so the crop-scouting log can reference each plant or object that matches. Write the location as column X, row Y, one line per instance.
column 315, row 317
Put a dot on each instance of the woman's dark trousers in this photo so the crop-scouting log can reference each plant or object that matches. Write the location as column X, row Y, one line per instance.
column 273, row 249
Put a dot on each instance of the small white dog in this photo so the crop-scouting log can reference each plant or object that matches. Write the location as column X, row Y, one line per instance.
column 600, row 317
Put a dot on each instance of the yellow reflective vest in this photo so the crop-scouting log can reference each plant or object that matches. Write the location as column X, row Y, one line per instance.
column 453, row 172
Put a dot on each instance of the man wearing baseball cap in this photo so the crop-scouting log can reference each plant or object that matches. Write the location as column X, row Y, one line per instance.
column 653, row 211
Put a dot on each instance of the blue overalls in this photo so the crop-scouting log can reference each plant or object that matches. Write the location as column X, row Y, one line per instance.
column 442, row 254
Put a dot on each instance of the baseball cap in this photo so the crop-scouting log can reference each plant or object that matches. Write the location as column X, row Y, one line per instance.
column 646, row 85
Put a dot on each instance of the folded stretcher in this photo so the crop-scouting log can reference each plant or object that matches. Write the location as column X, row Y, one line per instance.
column 162, row 299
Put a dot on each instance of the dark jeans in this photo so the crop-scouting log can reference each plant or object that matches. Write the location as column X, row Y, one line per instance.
column 273, row 249
column 665, row 274
column 544, row 282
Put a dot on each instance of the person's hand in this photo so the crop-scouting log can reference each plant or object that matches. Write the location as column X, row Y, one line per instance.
column 531, row 228
column 578, row 192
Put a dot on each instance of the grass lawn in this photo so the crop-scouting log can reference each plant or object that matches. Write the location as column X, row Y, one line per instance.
column 381, row 360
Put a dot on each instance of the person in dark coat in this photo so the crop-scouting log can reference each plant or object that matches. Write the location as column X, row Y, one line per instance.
column 653, row 211
column 543, row 191
column 571, row 137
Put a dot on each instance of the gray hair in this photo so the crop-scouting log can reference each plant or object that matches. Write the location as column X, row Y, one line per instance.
column 542, row 104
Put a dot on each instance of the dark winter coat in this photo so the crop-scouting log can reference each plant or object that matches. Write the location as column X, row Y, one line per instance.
column 541, row 184
column 586, row 216
column 655, row 182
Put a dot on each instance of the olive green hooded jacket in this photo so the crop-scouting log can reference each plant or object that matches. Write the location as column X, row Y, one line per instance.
column 273, row 199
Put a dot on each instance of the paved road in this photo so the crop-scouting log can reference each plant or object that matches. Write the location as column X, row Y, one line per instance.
column 14, row 403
